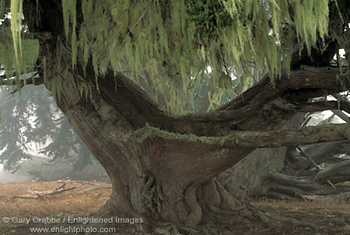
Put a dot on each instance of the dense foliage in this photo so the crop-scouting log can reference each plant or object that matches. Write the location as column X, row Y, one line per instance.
column 166, row 45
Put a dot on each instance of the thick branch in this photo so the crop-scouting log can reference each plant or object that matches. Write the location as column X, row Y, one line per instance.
column 342, row 115
column 254, row 139
column 332, row 170
column 310, row 107
column 245, row 112
column 305, row 78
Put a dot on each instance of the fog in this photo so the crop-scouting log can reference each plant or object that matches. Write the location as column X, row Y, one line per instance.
column 6, row 176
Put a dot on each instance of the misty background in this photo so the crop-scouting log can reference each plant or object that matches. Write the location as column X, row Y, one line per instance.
column 37, row 143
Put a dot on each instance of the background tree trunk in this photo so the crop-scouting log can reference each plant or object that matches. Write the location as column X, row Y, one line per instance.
column 247, row 178
column 291, row 172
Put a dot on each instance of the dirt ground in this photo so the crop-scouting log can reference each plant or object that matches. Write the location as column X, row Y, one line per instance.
column 308, row 217
column 46, row 205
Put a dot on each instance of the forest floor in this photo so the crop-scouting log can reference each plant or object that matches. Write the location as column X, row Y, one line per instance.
column 64, row 207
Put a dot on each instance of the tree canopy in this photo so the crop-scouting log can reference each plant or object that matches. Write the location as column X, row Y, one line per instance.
column 167, row 45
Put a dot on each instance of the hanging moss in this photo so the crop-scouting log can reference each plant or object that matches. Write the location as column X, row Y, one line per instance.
column 169, row 43
column 16, row 24
column 69, row 17
column 18, row 55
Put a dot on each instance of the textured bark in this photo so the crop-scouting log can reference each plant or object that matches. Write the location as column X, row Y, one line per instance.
column 164, row 178
column 322, row 183
column 311, row 172
column 248, row 178
column 319, row 153
column 257, row 139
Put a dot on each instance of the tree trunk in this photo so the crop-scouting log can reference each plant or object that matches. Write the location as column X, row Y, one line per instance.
column 162, row 178
column 153, row 180
column 158, row 178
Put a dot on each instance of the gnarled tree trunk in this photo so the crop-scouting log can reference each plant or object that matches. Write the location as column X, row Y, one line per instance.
column 154, row 179
column 161, row 174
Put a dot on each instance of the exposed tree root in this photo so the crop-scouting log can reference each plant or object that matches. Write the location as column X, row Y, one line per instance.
column 214, row 210
column 313, row 187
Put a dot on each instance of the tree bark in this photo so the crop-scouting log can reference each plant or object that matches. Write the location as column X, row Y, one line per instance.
column 308, row 173
column 284, row 186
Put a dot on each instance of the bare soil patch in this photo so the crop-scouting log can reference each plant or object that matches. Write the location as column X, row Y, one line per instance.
column 297, row 217
column 76, row 201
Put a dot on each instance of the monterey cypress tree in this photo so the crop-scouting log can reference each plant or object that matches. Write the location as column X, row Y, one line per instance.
column 101, row 58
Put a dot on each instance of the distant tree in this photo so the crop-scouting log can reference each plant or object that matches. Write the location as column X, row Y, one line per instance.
column 95, row 56
column 33, row 117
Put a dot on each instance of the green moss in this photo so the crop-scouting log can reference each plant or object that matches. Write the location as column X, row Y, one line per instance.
column 149, row 132
column 172, row 42
column 16, row 23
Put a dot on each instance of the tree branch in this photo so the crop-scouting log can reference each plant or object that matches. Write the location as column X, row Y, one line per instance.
column 252, row 139
column 249, row 101
column 306, row 78
column 342, row 115
column 284, row 104
column 246, row 111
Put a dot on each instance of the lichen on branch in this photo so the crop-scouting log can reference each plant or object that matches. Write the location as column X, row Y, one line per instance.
column 248, row 139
